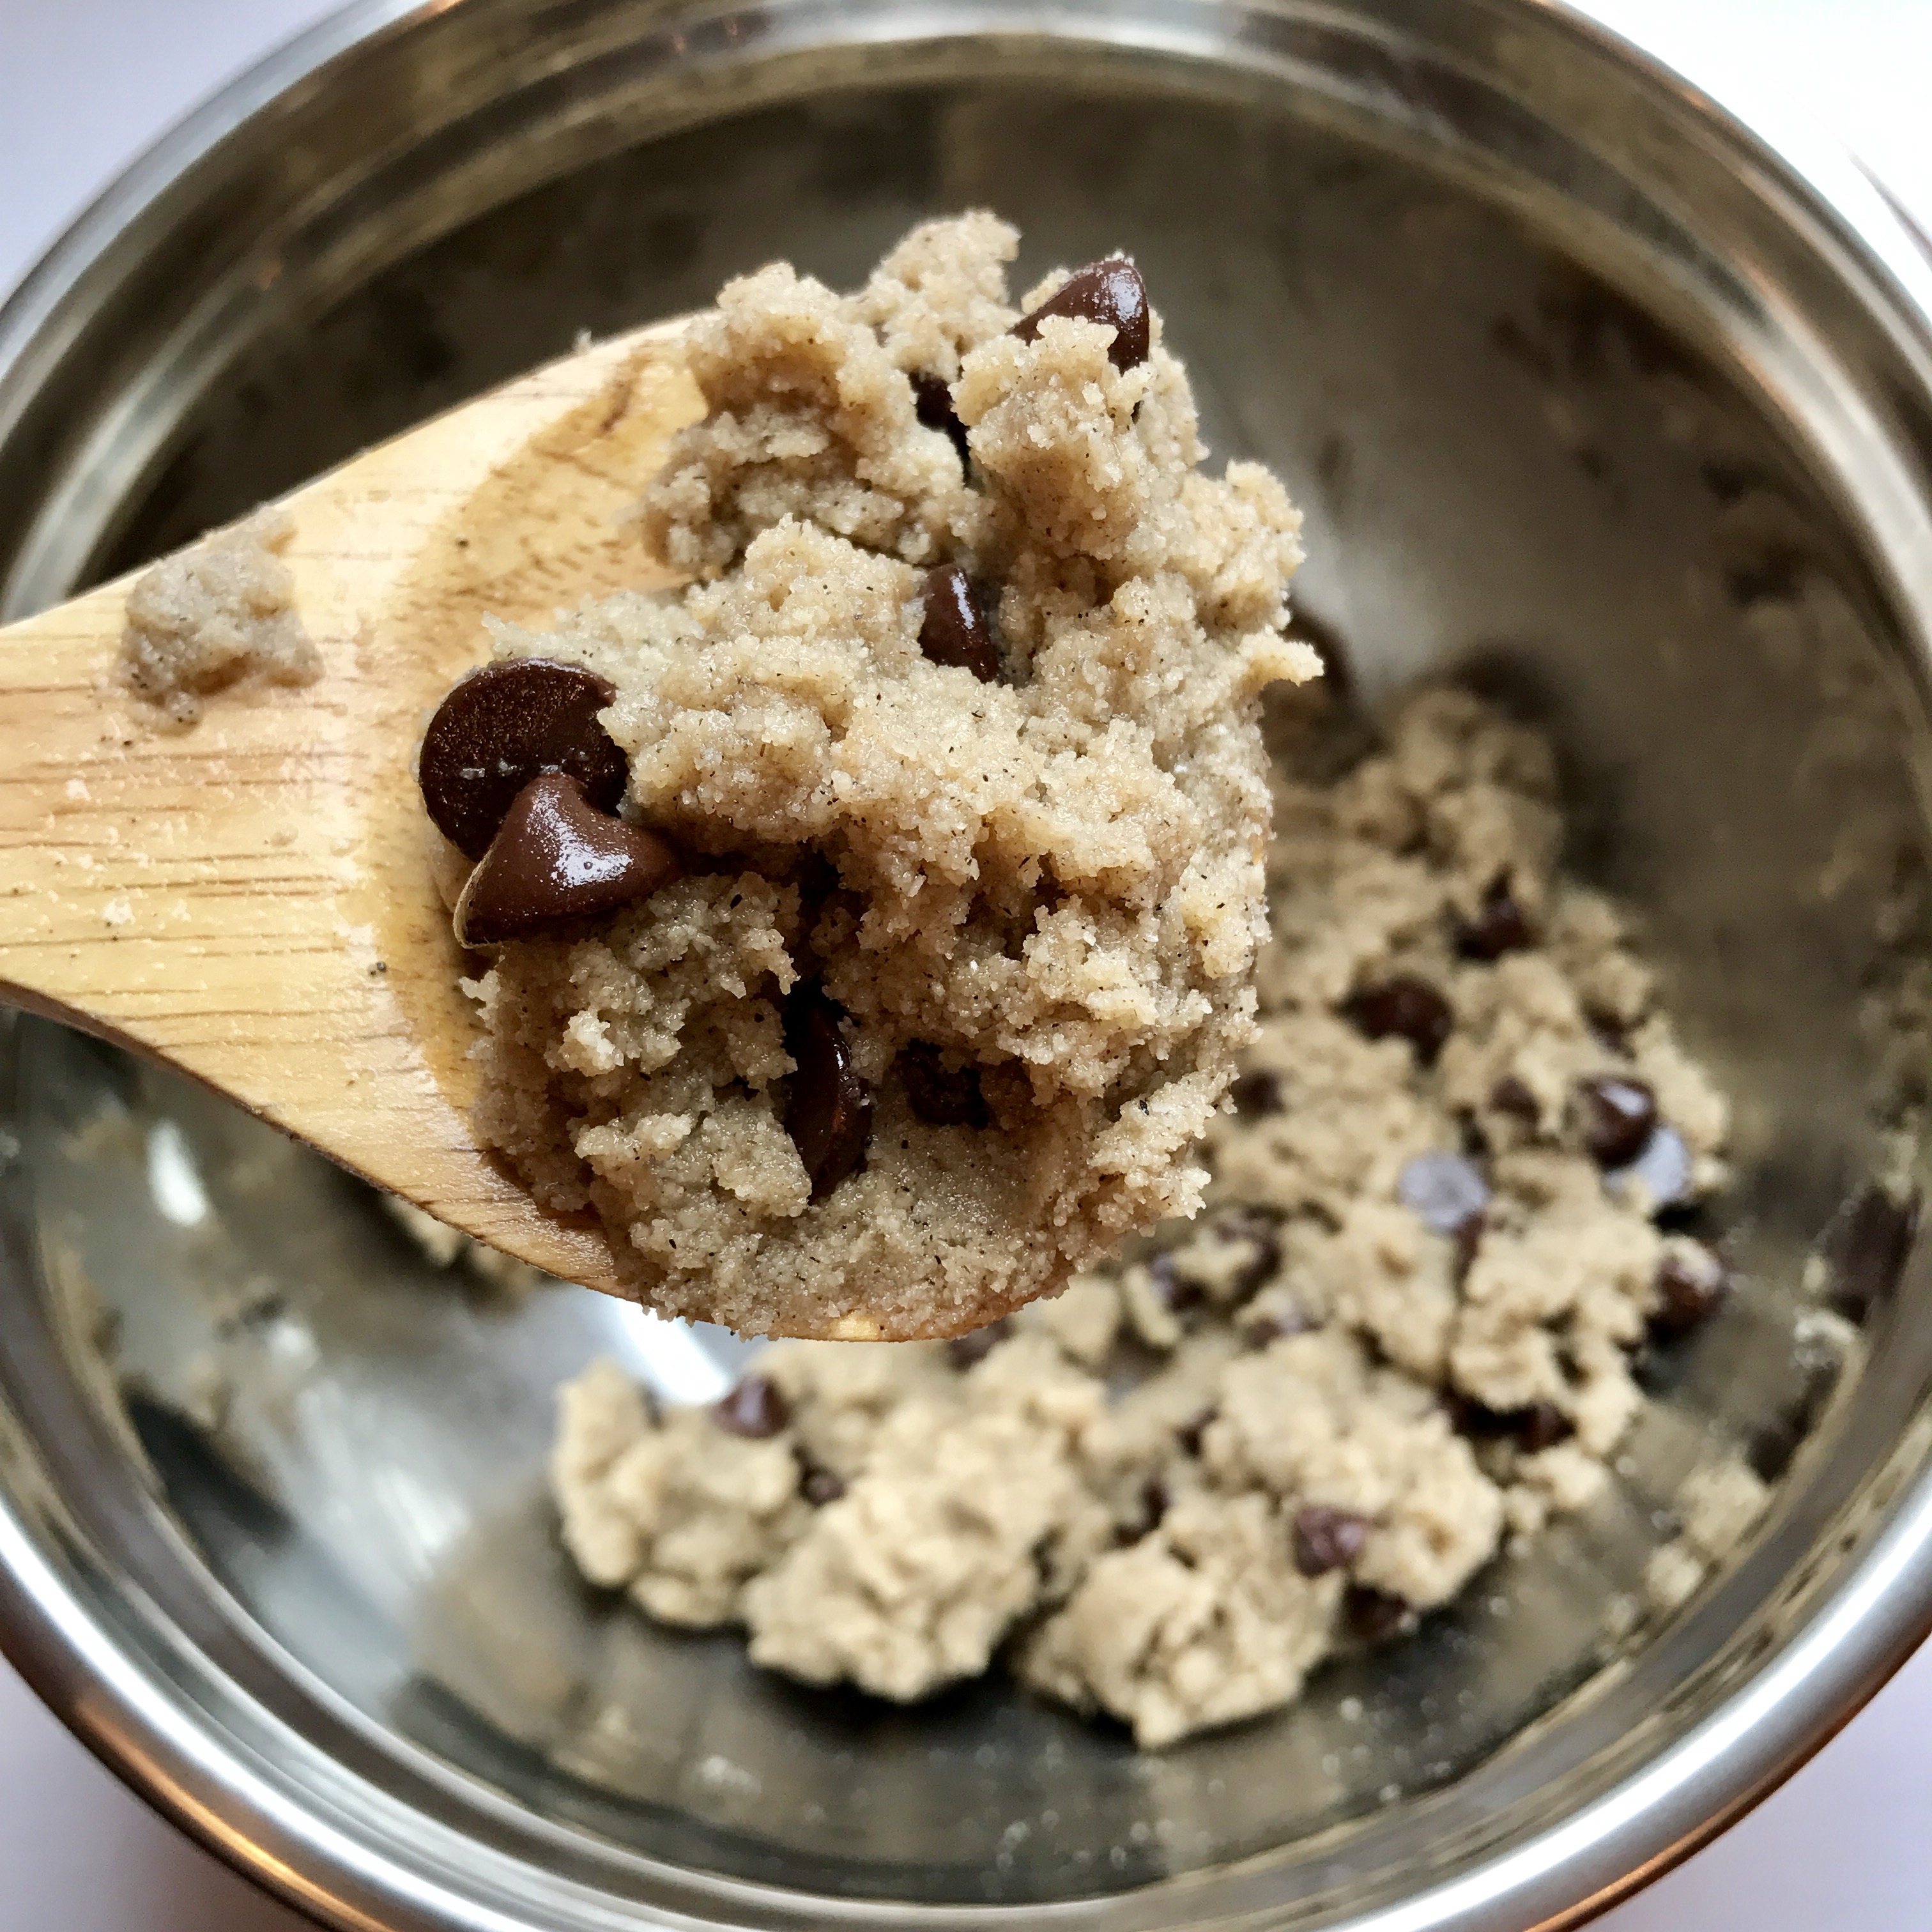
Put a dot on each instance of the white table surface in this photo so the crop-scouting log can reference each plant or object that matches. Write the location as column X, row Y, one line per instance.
column 1846, row 1846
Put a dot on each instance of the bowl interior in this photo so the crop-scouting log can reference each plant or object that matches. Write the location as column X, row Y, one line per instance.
column 1528, row 456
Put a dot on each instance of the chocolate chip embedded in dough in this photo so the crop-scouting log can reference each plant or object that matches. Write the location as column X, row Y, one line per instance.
column 828, row 1107
column 1404, row 1008
column 1665, row 1167
column 932, row 400
column 1327, row 1539
column 1255, row 1093
column 755, row 1408
column 1616, row 1117
column 501, row 726
column 1692, row 1282
column 1501, row 925
column 1513, row 1097
column 940, row 1096
column 978, row 1343
column 555, row 860
column 1109, row 292
column 820, row 1486
column 954, row 630
column 1443, row 1190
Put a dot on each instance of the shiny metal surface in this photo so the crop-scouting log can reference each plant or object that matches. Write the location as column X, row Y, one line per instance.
column 1582, row 385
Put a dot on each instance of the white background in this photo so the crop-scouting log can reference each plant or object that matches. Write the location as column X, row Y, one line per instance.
column 1847, row 1847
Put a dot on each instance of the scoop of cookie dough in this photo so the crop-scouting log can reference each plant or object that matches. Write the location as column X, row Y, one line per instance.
column 954, row 736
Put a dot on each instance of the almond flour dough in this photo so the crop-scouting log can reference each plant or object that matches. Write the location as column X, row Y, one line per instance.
column 1401, row 1333
column 222, row 613
column 1031, row 902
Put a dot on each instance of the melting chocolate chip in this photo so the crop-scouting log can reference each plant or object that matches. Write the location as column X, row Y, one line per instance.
column 978, row 1343
column 1866, row 1249
column 1444, row 1190
column 1691, row 1285
column 502, row 726
column 1109, row 292
column 820, row 1486
column 1373, row 1615
column 1189, row 1433
column 828, row 1107
column 1511, row 1096
column 756, row 1407
column 1616, row 1116
column 932, row 399
column 1407, row 1008
column 1256, row 1093
column 954, row 630
column 1327, row 1539
column 1501, row 925
column 941, row 1096
column 1664, row 1168
column 556, row 859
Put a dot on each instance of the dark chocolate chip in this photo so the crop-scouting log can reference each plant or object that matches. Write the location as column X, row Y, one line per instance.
column 1541, row 1426
column 932, row 398
column 1664, row 1167
column 1189, row 1433
column 1374, row 1615
column 1866, row 1249
column 1616, row 1117
column 1444, row 1190
column 1171, row 1289
column 1109, row 292
column 978, row 1343
column 500, row 728
column 1327, row 1539
column 1511, row 1096
column 954, row 630
column 1691, row 1285
column 1501, row 925
column 828, row 1107
column 1256, row 1093
column 820, row 1486
column 940, row 1096
column 555, row 858
column 1406, row 1008
column 755, row 1407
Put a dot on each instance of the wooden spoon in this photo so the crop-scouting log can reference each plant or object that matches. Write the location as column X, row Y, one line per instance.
column 250, row 900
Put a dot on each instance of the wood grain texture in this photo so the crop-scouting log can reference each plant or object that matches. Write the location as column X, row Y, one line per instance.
column 251, row 900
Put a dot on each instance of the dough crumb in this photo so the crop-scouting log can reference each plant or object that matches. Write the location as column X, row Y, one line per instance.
column 220, row 614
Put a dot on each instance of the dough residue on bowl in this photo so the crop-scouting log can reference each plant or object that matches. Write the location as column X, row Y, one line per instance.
column 956, row 734
column 1401, row 1334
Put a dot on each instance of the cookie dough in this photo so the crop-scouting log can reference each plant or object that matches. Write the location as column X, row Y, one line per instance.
column 942, row 835
column 222, row 613
column 1400, row 1334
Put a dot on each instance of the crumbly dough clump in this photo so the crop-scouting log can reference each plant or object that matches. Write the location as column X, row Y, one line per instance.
column 219, row 614
column 1348, row 1410
column 1049, row 884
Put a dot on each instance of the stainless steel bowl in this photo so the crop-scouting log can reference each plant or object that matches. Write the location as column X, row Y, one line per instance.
column 1618, row 407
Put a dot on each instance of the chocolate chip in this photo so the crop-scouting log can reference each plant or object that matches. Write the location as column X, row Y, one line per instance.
column 1327, row 1539
column 1501, row 925
column 1171, row 1289
column 932, row 400
column 1256, row 1093
column 1373, row 1615
column 1664, row 1167
column 820, row 1486
column 500, row 728
column 828, row 1107
column 978, row 1343
column 1109, row 292
column 1541, row 1425
column 1444, row 1190
column 1189, row 1433
column 1866, row 1249
column 1691, row 1285
column 555, row 858
column 1406, row 1008
column 940, row 1096
column 1511, row 1096
column 1156, row 1500
column 1616, row 1117
column 954, row 630
column 756, row 1407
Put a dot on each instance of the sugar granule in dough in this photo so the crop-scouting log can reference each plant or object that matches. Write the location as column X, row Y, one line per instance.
column 1044, row 888
column 1346, row 1405
column 221, row 613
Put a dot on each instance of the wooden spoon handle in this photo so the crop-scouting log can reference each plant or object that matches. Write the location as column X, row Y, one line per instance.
column 249, row 900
